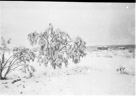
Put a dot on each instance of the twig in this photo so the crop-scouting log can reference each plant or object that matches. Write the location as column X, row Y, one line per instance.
column 9, row 59
column 16, row 67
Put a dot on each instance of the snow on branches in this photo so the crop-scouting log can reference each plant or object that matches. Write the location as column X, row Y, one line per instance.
column 57, row 47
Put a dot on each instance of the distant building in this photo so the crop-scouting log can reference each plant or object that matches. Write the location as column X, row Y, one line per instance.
column 102, row 48
column 121, row 48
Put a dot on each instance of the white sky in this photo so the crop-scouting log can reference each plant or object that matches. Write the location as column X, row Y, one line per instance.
column 96, row 23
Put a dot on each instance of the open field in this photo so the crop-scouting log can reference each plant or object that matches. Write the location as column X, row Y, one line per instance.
column 96, row 74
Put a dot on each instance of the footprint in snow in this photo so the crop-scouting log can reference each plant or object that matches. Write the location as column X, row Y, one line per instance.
column 6, row 87
column 23, row 86
column 21, row 92
column 18, row 85
column 37, row 81
column 5, row 83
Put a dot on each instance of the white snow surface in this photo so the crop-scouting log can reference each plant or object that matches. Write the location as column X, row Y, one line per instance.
column 94, row 75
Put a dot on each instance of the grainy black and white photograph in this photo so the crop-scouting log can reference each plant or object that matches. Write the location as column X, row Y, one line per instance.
column 67, row 48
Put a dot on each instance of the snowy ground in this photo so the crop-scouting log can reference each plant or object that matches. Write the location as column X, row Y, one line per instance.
column 95, row 75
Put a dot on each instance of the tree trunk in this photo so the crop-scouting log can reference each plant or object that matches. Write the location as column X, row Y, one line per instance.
column 0, row 70
column 1, row 63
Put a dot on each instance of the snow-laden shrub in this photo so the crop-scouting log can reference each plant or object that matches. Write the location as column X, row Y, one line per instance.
column 19, row 58
column 57, row 47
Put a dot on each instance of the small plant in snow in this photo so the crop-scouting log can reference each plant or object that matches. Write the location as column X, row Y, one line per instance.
column 121, row 69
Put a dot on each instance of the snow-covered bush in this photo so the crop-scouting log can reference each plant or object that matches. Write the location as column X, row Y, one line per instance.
column 20, row 58
column 56, row 47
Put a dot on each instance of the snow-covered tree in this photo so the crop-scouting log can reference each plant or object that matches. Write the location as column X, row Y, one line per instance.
column 57, row 47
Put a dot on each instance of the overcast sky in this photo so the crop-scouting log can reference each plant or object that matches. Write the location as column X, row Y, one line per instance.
column 96, row 23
